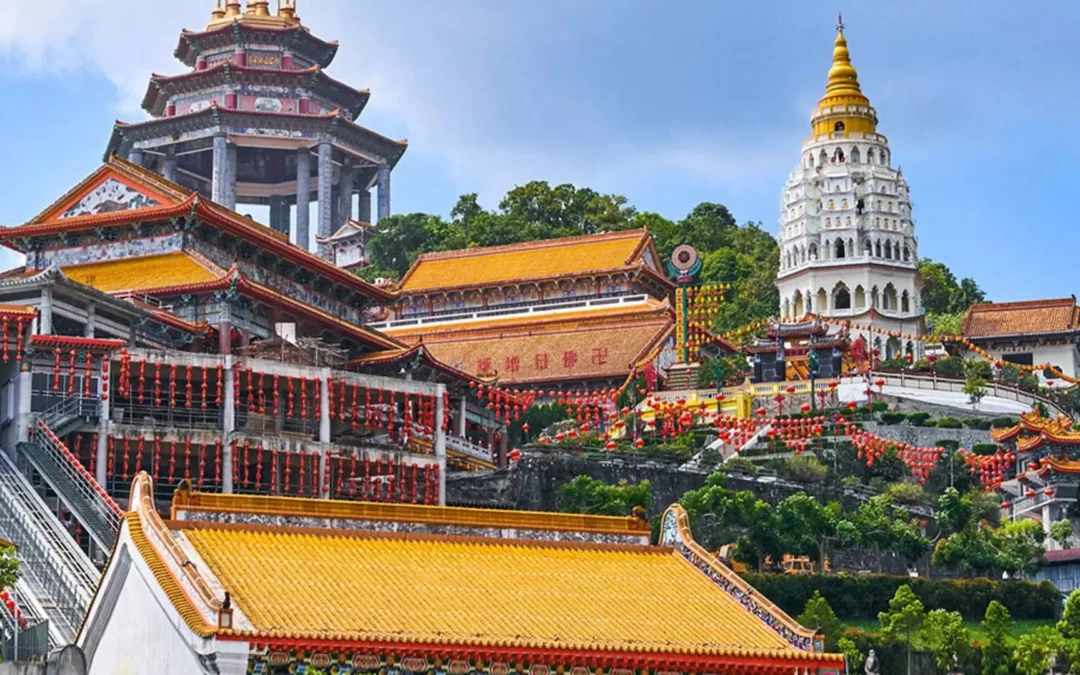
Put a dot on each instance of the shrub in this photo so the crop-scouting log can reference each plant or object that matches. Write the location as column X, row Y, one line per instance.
column 893, row 417
column 879, row 406
column 805, row 469
column 984, row 449
column 740, row 464
column 1003, row 422
column 862, row 597
column 950, row 366
column 976, row 423
column 918, row 419
column 907, row 493
column 949, row 423
column 949, row 444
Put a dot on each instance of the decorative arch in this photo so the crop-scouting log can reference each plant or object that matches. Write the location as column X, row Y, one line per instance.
column 797, row 304
column 841, row 297
column 787, row 309
column 838, row 156
column 822, row 300
column 813, row 251
column 875, row 301
column 823, row 158
column 860, row 297
column 884, row 158
column 843, row 204
column 855, row 159
column 840, row 252
column 839, row 126
column 867, row 248
column 877, row 248
column 888, row 250
column 907, row 254
column 892, row 348
column 832, row 205
column 905, row 302
column 888, row 298
column 809, row 160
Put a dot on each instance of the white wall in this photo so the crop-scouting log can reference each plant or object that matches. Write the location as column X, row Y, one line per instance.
column 1062, row 356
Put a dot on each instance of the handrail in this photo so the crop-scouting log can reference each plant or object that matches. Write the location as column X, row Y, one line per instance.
column 468, row 448
column 937, row 380
column 83, row 480
column 52, row 560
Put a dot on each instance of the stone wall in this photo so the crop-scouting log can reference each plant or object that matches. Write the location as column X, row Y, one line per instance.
column 927, row 437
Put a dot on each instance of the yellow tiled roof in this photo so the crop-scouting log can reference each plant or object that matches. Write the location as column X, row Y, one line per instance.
column 546, row 259
column 326, row 585
column 142, row 274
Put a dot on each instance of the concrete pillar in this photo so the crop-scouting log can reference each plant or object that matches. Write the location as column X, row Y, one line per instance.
column 277, row 208
column 286, row 217
column 383, row 179
column 303, row 198
column 230, row 176
column 440, row 441
column 324, row 406
column 461, row 418
column 135, row 157
column 364, row 215
column 168, row 167
column 228, row 425
column 501, row 459
column 326, row 188
column 23, row 416
column 217, row 179
column 335, row 209
column 91, row 319
column 45, row 310
column 104, row 427
column 225, row 337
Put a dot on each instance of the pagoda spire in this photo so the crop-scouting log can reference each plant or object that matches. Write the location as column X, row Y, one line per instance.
column 218, row 13
column 258, row 8
column 232, row 8
column 843, row 79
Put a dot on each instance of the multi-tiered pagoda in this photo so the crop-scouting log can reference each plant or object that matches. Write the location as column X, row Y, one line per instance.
column 258, row 121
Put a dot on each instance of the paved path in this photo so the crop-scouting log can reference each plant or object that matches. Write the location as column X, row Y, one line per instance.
column 953, row 399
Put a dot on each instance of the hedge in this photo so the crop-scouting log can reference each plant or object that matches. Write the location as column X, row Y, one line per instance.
column 1003, row 422
column 949, row 423
column 985, row 449
column 976, row 423
column 891, row 418
column 918, row 419
column 862, row 597
column 879, row 406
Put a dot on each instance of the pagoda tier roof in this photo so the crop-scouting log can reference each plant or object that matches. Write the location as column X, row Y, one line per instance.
column 315, row 79
column 333, row 124
column 1055, row 431
column 1062, row 465
column 529, row 262
column 145, row 275
column 592, row 346
column 299, row 571
column 172, row 201
column 254, row 30
column 407, row 355
column 351, row 228
column 1022, row 320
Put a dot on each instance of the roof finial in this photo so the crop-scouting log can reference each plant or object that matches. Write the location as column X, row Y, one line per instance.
column 232, row 8
column 840, row 22
column 219, row 12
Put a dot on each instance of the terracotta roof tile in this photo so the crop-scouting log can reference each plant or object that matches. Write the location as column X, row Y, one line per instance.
column 544, row 259
column 1033, row 317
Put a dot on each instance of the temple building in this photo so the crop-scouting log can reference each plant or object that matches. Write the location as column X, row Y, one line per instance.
column 573, row 312
column 798, row 351
column 847, row 236
column 1028, row 333
column 258, row 121
column 236, row 585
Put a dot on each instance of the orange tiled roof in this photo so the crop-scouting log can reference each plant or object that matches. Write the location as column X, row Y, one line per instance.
column 1032, row 317
column 549, row 320
column 545, row 259
column 143, row 274
column 347, row 585
column 577, row 349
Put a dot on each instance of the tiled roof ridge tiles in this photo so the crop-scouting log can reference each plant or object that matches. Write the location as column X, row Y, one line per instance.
column 556, row 242
column 1023, row 304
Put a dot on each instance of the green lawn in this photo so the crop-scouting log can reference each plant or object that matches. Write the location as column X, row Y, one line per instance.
column 1021, row 627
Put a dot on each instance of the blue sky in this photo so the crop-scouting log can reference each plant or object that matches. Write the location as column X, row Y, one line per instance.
column 668, row 103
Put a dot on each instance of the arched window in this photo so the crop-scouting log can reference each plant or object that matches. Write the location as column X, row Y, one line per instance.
column 884, row 160
column 888, row 298
column 832, row 205
column 839, row 126
column 828, row 222
column 890, row 207
column 888, row 250
column 841, row 297
column 843, row 204
column 870, row 158
column 823, row 158
column 874, row 297
column 838, row 156
column 787, row 309
column 867, row 248
column 877, row 248
column 855, row 159
column 905, row 303
column 907, row 254
column 877, row 222
column 860, row 297
column 879, row 205
column 839, row 249
column 822, row 300
column 798, row 304
column 836, row 188
column 810, row 161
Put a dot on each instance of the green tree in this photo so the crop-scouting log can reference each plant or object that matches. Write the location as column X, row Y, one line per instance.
column 595, row 497
column 938, row 285
column 848, row 648
column 997, row 625
column 565, row 209
column 818, row 615
column 904, row 618
column 1033, row 651
column 955, row 512
column 966, row 294
column 944, row 635
column 941, row 324
column 808, row 526
column 1020, row 547
column 400, row 239
column 1069, row 625
column 975, row 388
column 9, row 568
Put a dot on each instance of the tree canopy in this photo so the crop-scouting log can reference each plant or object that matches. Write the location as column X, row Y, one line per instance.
column 942, row 293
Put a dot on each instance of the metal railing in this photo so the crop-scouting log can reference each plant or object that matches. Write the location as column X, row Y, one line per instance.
column 56, row 571
column 519, row 308
column 466, row 447
column 32, row 643
column 73, row 484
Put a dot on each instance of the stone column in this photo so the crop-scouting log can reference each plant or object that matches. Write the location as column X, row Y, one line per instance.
column 277, row 206
column 45, row 310
column 461, row 420
column 324, row 406
column 228, row 425
column 345, row 193
column 224, row 336
column 168, row 167
column 91, row 319
column 24, row 389
column 135, row 157
column 383, row 179
column 364, row 216
column 501, row 459
column 326, row 188
column 217, row 180
column 303, row 197
column 286, row 217
column 230, row 176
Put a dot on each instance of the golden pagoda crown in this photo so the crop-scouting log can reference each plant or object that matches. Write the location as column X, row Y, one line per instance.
column 843, row 107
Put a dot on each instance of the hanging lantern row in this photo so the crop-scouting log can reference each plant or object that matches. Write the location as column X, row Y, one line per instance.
column 990, row 470
column 68, row 365
column 258, row 469
column 170, row 460
column 382, row 480
column 14, row 349
column 16, row 612
column 919, row 461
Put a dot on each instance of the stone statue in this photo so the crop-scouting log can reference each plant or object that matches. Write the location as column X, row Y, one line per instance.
column 872, row 665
